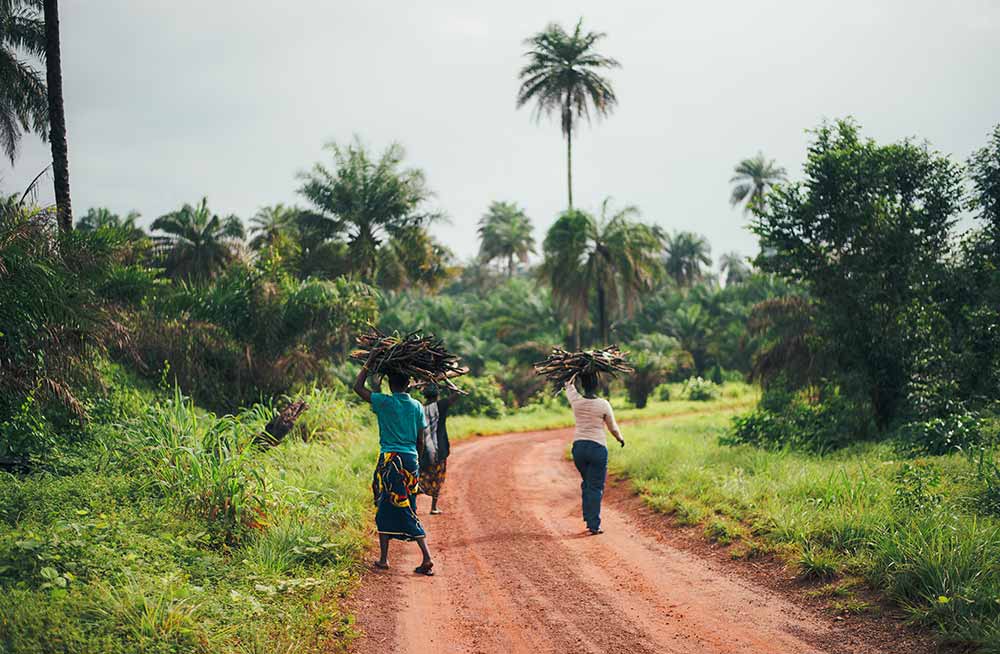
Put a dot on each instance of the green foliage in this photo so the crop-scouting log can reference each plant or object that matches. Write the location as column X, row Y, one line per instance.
column 54, row 323
column 196, row 244
column 654, row 358
column 23, row 95
column 612, row 259
column 752, row 179
column 250, row 333
column 916, row 486
column 699, row 390
column 505, row 233
column 684, row 255
column 864, row 232
column 483, row 398
column 381, row 208
column 829, row 418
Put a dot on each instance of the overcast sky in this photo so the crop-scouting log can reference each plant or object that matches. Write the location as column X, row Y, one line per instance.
column 168, row 101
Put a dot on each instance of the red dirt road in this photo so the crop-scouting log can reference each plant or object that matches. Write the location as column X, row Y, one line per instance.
column 516, row 573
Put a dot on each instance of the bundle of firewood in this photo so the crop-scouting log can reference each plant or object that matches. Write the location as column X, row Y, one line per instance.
column 561, row 366
column 423, row 358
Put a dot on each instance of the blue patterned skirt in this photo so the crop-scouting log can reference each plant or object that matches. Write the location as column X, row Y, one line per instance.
column 394, row 487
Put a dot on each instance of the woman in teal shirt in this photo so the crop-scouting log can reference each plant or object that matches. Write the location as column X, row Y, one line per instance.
column 394, row 485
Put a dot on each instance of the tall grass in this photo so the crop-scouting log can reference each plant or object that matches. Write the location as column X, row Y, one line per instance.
column 181, row 535
column 908, row 527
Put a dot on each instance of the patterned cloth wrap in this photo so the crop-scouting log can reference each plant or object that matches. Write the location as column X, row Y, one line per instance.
column 394, row 483
column 432, row 478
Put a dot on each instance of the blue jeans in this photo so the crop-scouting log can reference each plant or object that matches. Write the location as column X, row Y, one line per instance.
column 591, row 460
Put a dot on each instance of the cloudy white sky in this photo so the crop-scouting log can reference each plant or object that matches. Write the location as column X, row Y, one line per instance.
column 168, row 101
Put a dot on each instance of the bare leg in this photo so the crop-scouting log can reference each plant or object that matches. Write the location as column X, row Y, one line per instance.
column 383, row 546
column 434, row 504
column 422, row 542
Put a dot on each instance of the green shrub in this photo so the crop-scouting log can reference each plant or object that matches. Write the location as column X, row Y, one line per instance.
column 827, row 421
column 206, row 463
column 483, row 398
column 699, row 390
column 663, row 392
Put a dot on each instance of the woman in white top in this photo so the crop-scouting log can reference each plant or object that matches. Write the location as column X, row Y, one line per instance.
column 590, row 445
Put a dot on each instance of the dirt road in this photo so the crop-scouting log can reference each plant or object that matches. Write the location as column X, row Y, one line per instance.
column 517, row 573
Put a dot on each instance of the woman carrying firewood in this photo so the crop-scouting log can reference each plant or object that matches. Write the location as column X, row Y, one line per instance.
column 401, row 424
column 590, row 444
column 593, row 414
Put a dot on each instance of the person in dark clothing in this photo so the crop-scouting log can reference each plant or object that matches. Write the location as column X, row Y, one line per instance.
column 434, row 457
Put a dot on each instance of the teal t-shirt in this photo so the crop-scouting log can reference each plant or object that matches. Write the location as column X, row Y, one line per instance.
column 400, row 421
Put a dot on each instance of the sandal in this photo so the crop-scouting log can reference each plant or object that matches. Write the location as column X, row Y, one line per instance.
column 378, row 565
column 436, row 512
column 426, row 569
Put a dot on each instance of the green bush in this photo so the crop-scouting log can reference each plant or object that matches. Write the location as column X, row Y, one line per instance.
column 663, row 392
column 699, row 390
column 483, row 398
column 830, row 420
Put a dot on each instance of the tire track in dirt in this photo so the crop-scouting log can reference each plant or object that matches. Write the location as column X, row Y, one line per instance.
column 516, row 572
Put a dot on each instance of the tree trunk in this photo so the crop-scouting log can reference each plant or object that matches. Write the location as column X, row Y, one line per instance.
column 569, row 165
column 602, row 314
column 57, row 115
column 510, row 266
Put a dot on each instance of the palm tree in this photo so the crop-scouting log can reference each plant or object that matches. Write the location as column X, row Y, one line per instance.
column 271, row 222
column 369, row 199
column 197, row 243
column 685, row 254
column 734, row 267
column 505, row 232
column 104, row 218
column 57, row 115
column 613, row 255
column 753, row 178
column 23, row 97
column 563, row 74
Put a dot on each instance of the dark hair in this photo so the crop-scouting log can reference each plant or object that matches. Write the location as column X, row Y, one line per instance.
column 589, row 383
column 398, row 381
column 431, row 390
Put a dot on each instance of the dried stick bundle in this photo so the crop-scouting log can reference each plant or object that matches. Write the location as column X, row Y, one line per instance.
column 424, row 358
column 561, row 366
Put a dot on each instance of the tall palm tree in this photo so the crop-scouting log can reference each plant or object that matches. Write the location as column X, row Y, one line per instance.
column 685, row 254
column 613, row 255
column 366, row 198
column 23, row 97
column 734, row 267
column 197, row 243
column 753, row 177
column 505, row 232
column 563, row 74
column 269, row 223
column 57, row 115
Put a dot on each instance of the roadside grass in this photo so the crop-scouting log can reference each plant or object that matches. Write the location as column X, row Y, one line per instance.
column 179, row 534
column 911, row 529
column 554, row 413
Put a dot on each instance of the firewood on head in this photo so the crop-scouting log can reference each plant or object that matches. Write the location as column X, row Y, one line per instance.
column 561, row 367
column 424, row 359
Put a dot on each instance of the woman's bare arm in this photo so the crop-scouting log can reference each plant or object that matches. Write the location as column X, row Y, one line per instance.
column 359, row 382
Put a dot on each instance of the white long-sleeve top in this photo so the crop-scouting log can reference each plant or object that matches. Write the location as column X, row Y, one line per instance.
column 592, row 416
